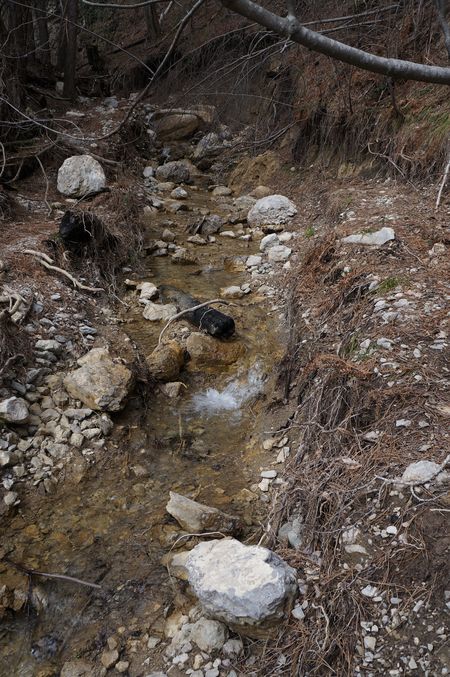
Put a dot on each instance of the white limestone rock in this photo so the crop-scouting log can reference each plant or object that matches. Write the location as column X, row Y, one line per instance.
column 271, row 210
column 80, row 175
column 100, row 383
column 246, row 587
column 377, row 238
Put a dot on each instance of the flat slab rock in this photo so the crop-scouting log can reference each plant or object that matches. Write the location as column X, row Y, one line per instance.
column 377, row 238
column 196, row 517
column 100, row 383
column 244, row 586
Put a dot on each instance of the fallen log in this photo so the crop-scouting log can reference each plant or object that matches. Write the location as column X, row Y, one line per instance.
column 204, row 317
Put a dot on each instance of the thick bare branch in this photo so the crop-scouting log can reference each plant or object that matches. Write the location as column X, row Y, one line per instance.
column 394, row 68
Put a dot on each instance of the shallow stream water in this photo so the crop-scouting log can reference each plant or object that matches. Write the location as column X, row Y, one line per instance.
column 107, row 523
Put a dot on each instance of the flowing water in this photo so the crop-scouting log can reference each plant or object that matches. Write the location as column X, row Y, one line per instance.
column 107, row 523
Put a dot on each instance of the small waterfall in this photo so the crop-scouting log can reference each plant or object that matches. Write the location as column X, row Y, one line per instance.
column 235, row 394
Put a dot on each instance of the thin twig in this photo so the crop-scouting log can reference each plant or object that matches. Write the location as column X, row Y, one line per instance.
column 443, row 182
column 60, row 577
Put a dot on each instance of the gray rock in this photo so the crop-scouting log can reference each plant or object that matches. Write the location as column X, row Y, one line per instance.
column 232, row 292
column 271, row 210
column 211, row 224
column 14, row 410
column 269, row 241
column 233, row 647
column 421, row 472
column 243, row 586
column 279, row 253
column 48, row 345
column 100, row 383
column 176, row 171
column 155, row 312
column 378, row 238
column 78, row 414
column 148, row 172
column 80, row 175
column 196, row 517
column 209, row 635
column 148, row 291
column 253, row 260
column 179, row 193
column 209, row 147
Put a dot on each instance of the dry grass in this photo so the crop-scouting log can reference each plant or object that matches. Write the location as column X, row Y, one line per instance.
column 333, row 479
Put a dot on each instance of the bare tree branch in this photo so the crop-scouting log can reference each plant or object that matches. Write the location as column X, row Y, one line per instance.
column 111, row 5
column 394, row 68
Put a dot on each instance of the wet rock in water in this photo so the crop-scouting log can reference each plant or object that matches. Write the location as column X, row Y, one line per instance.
column 171, row 390
column 176, row 564
column 247, row 587
column 205, row 351
column 148, row 291
column 195, row 517
column 183, row 257
column 166, row 361
column 209, row 635
column 155, row 312
column 232, row 292
column 100, row 383
column 271, row 210
column 377, row 238
column 175, row 171
column 14, row 410
column 208, row 225
column 80, row 175
column 179, row 194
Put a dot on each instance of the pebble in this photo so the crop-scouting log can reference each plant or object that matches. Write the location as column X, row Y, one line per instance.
column 269, row 474
column 109, row 658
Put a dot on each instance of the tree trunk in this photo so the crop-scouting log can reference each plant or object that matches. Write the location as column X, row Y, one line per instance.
column 70, row 19
column 152, row 21
column 43, row 37
column 291, row 28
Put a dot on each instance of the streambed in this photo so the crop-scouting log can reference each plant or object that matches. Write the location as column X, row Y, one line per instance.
column 107, row 523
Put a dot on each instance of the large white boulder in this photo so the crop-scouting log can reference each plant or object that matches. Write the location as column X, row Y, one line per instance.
column 248, row 587
column 100, row 383
column 80, row 175
column 271, row 210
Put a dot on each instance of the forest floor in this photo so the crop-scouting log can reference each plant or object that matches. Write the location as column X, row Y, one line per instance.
column 359, row 392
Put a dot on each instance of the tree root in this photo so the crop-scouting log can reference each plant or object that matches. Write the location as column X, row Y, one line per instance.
column 47, row 262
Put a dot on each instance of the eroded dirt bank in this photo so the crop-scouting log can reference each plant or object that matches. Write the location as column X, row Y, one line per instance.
column 335, row 383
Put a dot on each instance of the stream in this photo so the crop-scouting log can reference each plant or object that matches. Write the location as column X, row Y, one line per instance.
column 106, row 523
